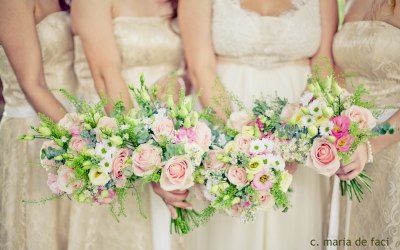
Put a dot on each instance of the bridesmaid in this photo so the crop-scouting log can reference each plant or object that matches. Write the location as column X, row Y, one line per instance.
column 36, row 54
column 261, row 47
column 116, row 41
column 369, row 46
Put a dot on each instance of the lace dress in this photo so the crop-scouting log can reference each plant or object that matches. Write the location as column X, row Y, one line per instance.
column 269, row 56
column 23, row 225
column 147, row 45
column 369, row 50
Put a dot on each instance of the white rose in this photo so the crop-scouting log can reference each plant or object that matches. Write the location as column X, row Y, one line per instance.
column 286, row 180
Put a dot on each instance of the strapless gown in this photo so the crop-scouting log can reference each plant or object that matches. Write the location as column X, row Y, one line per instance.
column 263, row 55
column 23, row 225
column 370, row 52
column 147, row 45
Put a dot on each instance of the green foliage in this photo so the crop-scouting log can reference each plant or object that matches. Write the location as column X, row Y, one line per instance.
column 172, row 150
column 56, row 131
column 357, row 98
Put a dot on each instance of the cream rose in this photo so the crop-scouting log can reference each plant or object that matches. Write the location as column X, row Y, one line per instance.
column 163, row 128
column 323, row 157
column 242, row 143
column 239, row 119
column 146, row 159
column 362, row 116
column 177, row 174
column 78, row 144
column 203, row 136
column 107, row 123
column 286, row 180
column 211, row 162
column 237, row 176
column 66, row 179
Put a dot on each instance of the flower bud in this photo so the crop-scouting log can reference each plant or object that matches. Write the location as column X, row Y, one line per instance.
column 27, row 137
column 195, row 118
column 183, row 112
column 45, row 131
column 305, row 110
column 312, row 130
column 331, row 139
column 336, row 89
column 327, row 112
column 170, row 102
column 187, row 123
column 87, row 126
column 235, row 200
column 58, row 158
column 310, row 87
column 116, row 140
column 145, row 96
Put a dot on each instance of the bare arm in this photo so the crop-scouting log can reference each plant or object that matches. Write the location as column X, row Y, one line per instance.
column 19, row 39
column 195, row 23
column 329, row 25
column 92, row 22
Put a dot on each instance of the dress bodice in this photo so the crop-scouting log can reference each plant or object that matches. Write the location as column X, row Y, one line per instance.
column 147, row 45
column 370, row 52
column 57, row 50
column 266, row 40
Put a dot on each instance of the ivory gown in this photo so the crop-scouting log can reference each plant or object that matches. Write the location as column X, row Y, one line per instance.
column 22, row 225
column 268, row 55
column 370, row 50
column 147, row 45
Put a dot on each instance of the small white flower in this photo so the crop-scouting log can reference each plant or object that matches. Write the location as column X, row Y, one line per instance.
column 64, row 139
column 306, row 98
column 269, row 112
column 257, row 147
column 268, row 144
column 326, row 129
column 276, row 162
column 126, row 136
column 195, row 153
column 222, row 139
column 316, row 108
column 307, row 120
column 124, row 127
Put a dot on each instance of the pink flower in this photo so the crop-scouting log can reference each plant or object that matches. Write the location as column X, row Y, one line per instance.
column 163, row 129
column 288, row 112
column 185, row 135
column 66, row 180
column 107, row 123
column 104, row 196
column 243, row 143
column 235, row 211
column 203, row 136
column 362, row 116
column 78, row 143
column 146, row 159
column 239, row 119
column 118, row 165
column 237, row 176
column 52, row 183
column 177, row 174
column 265, row 198
column 73, row 123
column 263, row 180
column 323, row 157
column 199, row 192
column 211, row 162
column 43, row 158
column 341, row 126
column 343, row 143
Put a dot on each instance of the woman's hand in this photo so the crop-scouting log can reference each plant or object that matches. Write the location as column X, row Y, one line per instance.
column 356, row 165
column 172, row 199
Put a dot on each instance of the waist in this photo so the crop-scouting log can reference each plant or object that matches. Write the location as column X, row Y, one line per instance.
column 262, row 62
column 19, row 111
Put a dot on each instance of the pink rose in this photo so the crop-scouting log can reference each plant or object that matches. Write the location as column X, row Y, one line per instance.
column 263, row 180
column 177, row 174
column 52, row 183
column 362, row 116
column 237, row 176
column 146, row 159
column 341, row 126
column 288, row 112
column 239, row 119
column 203, row 136
column 78, row 143
column 73, row 123
column 185, row 135
column 105, row 196
column 107, row 123
column 265, row 198
column 343, row 143
column 236, row 210
column 211, row 162
column 163, row 128
column 118, row 165
column 243, row 143
column 44, row 161
column 323, row 157
column 66, row 180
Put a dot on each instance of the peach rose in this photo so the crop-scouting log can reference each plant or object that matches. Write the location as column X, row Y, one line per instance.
column 266, row 199
column 236, row 210
column 78, row 144
column 238, row 120
column 66, row 180
column 362, row 116
column 203, row 136
column 163, row 128
column 242, row 143
column 288, row 112
column 107, row 123
column 146, row 159
column 118, row 165
column 52, row 183
column 44, row 161
column 177, row 174
column 211, row 162
column 73, row 123
column 237, row 176
column 323, row 157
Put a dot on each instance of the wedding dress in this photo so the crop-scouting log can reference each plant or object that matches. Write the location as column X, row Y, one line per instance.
column 26, row 225
column 147, row 45
column 267, row 55
column 369, row 51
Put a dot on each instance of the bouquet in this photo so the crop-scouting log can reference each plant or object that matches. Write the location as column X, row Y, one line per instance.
column 89, row 155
